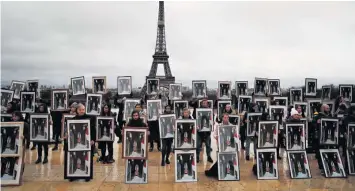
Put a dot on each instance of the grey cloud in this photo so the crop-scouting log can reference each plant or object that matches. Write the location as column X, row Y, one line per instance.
column 53, row 41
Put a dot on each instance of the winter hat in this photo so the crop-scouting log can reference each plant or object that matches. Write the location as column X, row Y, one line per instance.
column 294, row 112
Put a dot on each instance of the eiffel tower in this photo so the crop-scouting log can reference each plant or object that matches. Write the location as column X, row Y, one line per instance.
column 160, row 56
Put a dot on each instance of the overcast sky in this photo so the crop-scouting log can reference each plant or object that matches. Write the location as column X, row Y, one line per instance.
column 53, row 41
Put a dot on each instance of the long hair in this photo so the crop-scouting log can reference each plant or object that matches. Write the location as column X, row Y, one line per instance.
column 19, row 115
column 103, row 109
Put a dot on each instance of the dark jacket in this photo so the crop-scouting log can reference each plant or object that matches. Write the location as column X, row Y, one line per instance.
column 136, row 123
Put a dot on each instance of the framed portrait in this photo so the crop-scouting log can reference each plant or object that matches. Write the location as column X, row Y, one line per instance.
column 78, row 164
column 204, row 119
column 28, row 102
column 268, row 134
column 228, row 138
column 296, row 95
column 11, row 170
column 241, row 88
column 221, row 106
column 332, row 163
column 224, row 90
column 39, row 127
column 252, row 124
column 260, row 86
column 282, row 101
column 295, row 136
column 278, row 113
column 78, row 85
column 136, row 171
column 311, row 86
column 60, row 100
column 199, row 89
column 228, row 166
column 313, row 106
column 274, row 87
column 65, row 119
column 167, row 126
column 262, row 104
column 234, row 120
column 6, row 97
column 266, row 163
column 99, row 84
column 329, row 131
column 17, row 87
column 244, row 103
column 331, row 105
column 351, row 136
column 326, row 92
column 153, row 86
column 303, row 106
column 298, row 165
column 78, row 135
column 11, row 139
column 350, row 156
column 124, row 85
column 175, row 91
column 105, row 126
column 33, row 86
column 179, row 107
column 154, row 109
column 346, row 91
column 93, row 104
column 185, row 166
column 135, row 143
column 210, row 103
column 129, row 106
column 185, row 134
column 6, row 117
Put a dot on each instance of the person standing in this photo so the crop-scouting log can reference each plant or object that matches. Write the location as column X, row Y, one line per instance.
column 204, row 137
column 81, row 115
column 106, row 112
column 42, row 109
column 166, row 142
column 213, row 171
column 316, row 123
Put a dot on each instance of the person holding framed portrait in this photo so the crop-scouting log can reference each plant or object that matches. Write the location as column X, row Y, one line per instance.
column 42, row 109
column 81, row 115
column 205, row 136
column 166, row 142
column 324, row 113
column 213, row 171
column 106, row 112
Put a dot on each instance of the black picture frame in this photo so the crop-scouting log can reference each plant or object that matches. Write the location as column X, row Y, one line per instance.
column 266, row 161
column 332, row 162
column 298, row 165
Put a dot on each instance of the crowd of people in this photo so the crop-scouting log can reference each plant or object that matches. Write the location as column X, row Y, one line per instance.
column 78, row 109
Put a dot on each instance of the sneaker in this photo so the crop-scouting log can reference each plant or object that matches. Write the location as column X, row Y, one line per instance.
column 209, row 159
column 247, row 157
column 150, row 149
column 162, row 163
column 198, row 159
column 55, row 148
column 159, row 149
column 119, row 141
column 33, row 148
column 87, row 180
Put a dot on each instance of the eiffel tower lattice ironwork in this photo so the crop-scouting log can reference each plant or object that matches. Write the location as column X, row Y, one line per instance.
column 160, row 56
